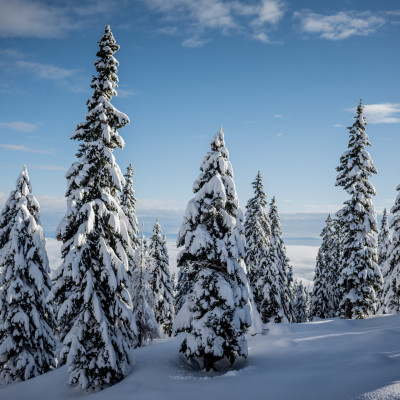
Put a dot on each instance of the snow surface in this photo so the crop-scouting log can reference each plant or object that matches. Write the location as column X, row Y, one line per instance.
column 328, row 359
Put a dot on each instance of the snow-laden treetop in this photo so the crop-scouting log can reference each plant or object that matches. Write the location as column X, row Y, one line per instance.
column 356, row 164
column 212, row 227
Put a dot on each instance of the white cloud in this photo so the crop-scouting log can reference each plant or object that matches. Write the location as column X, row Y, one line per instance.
column 52, row 204
column 19, row 126
column 124, row 93
column 280, row 134
column 270, row 11
column 47, row 167
column 157, row 204
column 341, row 25
column 278, row 116
column 196, row 18
column 338, row 126
column 39, row 19
column 384, row 113
column 262, row 37
column 70, row 79
column 21, row 147
column 26, row 18
column 194, row 42
column 45, row 71
column 302, row 258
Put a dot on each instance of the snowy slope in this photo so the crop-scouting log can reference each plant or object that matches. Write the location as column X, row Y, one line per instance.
column 327, row 360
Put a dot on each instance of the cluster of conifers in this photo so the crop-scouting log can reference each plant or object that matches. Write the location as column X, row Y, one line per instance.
column 101, row 302
column 357, row 271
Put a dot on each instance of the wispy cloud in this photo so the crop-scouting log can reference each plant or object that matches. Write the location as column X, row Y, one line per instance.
column 338, row 126
column 45, row 71
column 24, row 18
column 53, row 204
column 48, row 167
column 40, row 19
column 19, row 126
column 21, row 147
column 124, row 93
column 16, row 61
column 194, row 42
column 279, row 134
column 280, row 116
column 195, row 19
column 385, row 113
column 341, row 25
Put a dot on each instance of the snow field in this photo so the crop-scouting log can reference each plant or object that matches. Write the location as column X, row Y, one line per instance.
column 326, row 360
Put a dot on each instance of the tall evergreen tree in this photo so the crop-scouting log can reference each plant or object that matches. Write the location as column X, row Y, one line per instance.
column 334, row 245
column 27, row 343
column 322, row 304
column 391, row 290
column 384, row 242
column 90, row 287
column 300, row 304
column 257, row 233
column 128, row 205
column 183, row 283
column 161, row 280
column 360, row 280
column 216, row 312
column 142, row 295
column 273, row 285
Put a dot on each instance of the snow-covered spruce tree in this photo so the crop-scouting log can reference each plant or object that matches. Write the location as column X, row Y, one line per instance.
column 273, row 284
column 216, row 312
column 391, row 290
column 321, row 303
column 143, row 296
column 183, row 284
column 360, row 279
column 27, row 343
column 128, row 205
column 95, row 321
column 257, row 233
column 290, row 285
column 384, row 243
column 384, row 240
column 161, row 284
column 300, row 304
column 334, row 244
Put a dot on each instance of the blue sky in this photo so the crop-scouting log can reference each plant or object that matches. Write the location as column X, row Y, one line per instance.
column 282, row 77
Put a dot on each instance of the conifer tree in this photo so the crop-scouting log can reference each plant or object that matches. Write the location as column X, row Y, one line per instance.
column 334, row 244
column 183, row 283
column 128, row 205
column 143, row 296
column 174, row 282
column 360, row 280
column 257, row 233
column 391, row 290
column 290, row 286
column 273, row 285
column 322, row 302
column 384, row 242
column 161, row 280
column 95, row 321
column 27, row 343
column 216, row 312
column 300, row 305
